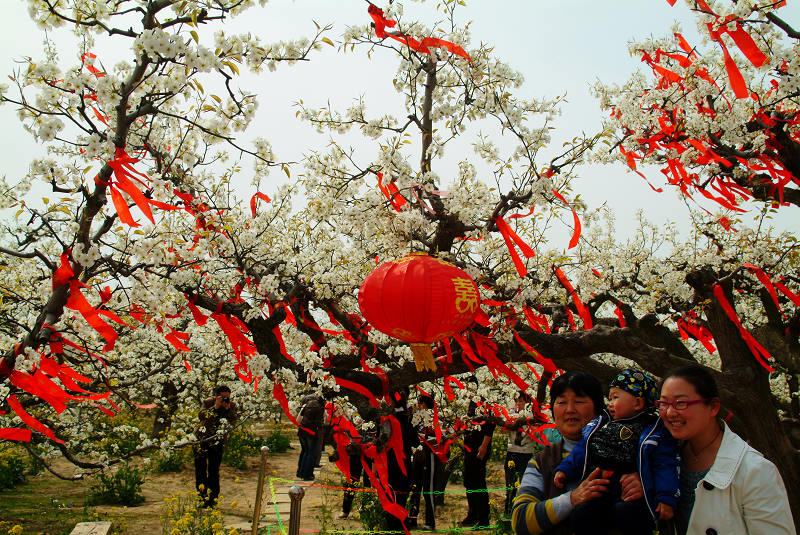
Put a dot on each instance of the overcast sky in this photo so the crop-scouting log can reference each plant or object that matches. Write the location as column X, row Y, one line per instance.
column 559, row 46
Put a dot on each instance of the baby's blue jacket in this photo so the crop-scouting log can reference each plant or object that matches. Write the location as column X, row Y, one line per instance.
column 657, row 459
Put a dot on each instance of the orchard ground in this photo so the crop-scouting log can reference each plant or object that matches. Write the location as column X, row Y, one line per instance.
column 47, row 505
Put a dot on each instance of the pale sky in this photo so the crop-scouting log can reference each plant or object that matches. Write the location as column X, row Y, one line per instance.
column 559, row 46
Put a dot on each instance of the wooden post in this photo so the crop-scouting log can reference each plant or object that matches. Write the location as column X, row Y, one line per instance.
column 296, row 494
column 262, row 472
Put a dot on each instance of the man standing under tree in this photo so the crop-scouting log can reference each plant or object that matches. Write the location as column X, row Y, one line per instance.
column 478, row 447
column 208, row 453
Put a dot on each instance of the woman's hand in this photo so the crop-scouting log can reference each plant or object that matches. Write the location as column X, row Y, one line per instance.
column 631, row 487
column 592, row 487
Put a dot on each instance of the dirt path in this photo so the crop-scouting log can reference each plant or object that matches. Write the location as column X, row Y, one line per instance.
column 320, row 506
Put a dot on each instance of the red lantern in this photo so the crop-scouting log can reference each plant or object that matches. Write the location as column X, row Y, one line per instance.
column 421, row 300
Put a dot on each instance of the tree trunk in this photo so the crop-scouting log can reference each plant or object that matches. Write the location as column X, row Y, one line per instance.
column 162, row 421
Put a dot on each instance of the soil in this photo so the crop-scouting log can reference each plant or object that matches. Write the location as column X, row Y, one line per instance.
column 320, row 505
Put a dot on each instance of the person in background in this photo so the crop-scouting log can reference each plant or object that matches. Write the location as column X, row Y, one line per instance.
column 540, row 507
column 478, row 448
column 208, row 452
column 427, row 467
column 726, row 486
column 310, row 433
column 398, row 475
column 520, row 449
column 628, row 438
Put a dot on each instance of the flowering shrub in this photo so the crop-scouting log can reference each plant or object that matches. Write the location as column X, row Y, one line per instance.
column 124, row 487
column 170, row 461
column 184, row 514
column 242, row 443
column 12, row 467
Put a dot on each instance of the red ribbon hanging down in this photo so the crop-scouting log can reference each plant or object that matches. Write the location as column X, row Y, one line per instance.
column 761, row 354
column 620, row 315
column 487, row 348
column 764, row 279
column 424, row 46
column 257, row 195
column 198, row 316
column 15, row 433
column 448, row 390
column 536, row 320
column 576, row 233
column 549, row 365
column 64, row 273
column 361, row 389
column 583, row 311
column 689, row 324
column 279, row 394
column 77, row 301
column 30, row 421
column 389, row 505
column 631, row 160
column 511, row 238
column 787, row 292
column 391, row 192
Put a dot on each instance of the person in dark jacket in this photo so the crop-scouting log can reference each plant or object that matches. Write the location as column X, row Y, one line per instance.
column 478, row 448
column 208, row 452
column 426, row 469
column 627, row 438
column 312, row 414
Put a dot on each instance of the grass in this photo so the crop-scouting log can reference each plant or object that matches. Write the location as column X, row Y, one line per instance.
column 50, row 507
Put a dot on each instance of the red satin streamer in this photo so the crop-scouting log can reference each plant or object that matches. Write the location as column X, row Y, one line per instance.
column 511, row 238
column 764, row 278
column 355, row 387
column 78, row 302
column 381, row 23
column 254, row 198
column 620, row 315
column 576, row 233
column 12, row 433
column 549, row 365
column 761, row 354
column 64, row 273
column 583, row 311
column 391, row 192
column 788, row 293
column 30, row 421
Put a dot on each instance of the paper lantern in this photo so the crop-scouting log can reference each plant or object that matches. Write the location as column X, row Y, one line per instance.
column 419, row 299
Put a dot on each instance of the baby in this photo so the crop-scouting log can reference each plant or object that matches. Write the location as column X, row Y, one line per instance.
column 628, row 438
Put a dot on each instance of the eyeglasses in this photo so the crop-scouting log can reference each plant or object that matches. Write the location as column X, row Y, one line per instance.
column 678, row 405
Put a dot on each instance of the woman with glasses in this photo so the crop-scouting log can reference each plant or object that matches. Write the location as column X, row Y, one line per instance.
column 726, row 486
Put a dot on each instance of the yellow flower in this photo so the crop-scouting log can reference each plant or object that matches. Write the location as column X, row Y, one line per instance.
column 234, row 503
column 175, row 531
column 236, row 480
column 16, row 530
column 216, row 526
column 233, row 531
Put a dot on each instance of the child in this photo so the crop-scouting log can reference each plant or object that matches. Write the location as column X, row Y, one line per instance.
column 631, row 439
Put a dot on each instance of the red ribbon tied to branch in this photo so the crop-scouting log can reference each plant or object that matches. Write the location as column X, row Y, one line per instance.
column 511, row 238
column 423, row 47
column 761, row 354
column 576, row 233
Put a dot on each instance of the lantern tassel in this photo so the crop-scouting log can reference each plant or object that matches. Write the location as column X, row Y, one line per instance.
column 423, row 357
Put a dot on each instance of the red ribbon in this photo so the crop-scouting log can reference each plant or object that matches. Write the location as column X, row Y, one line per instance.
column 761, row 354
column 254, row 198
column 583, row 311
column 576, row 233
column 511, row 238
column 30, row 421
column 13, row 433
column 361, row 389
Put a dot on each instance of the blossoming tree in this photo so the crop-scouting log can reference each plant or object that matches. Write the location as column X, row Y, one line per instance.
column 148, row 271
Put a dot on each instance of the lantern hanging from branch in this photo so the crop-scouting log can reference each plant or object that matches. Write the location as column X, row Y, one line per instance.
column 419, row 299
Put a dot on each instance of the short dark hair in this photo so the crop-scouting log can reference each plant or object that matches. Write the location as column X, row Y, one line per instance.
column 427, row 401
column 582, row 384
column 220, row 389
column 699, row 377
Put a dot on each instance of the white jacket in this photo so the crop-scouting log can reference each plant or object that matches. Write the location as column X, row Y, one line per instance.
column 742, row 494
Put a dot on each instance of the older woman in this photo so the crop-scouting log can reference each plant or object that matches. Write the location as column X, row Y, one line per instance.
column 540, row 507
column 726, row 486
